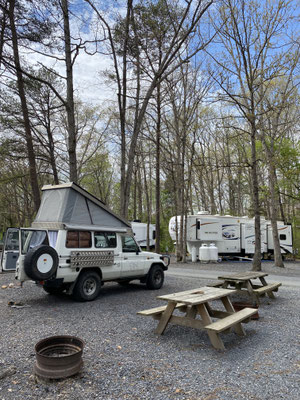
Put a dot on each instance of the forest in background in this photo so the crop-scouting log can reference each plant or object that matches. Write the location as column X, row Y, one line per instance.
column 203, row 112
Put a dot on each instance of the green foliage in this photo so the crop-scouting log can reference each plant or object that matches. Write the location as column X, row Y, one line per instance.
column 166, row 243
column 150, row 28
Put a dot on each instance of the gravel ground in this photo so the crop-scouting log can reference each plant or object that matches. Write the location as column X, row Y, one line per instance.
column 124, row 359
column 291, row 268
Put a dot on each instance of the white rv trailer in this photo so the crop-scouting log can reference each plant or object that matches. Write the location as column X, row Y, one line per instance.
column 140, row 233
column 232, row 235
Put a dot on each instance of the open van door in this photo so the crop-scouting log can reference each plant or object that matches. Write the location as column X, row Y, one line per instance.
column 10, row 253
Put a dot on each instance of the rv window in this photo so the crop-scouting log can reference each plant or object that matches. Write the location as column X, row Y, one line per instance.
column 105, row 240
column 153, row 235
column 78, row 239
column 282, row 237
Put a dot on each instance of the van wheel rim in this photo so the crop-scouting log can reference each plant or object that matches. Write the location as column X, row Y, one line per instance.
column 44, row 263
column 157, row 277
column 89, row 286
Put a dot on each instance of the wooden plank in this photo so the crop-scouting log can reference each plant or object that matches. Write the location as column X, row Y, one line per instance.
column 243, row 276
column 231, row 320
column 158, row 310
column 170, row 296
column 186, row 321
column 264, row 289
column 198, row 296
column 214, row 337
column 229, row 308
column 165, row 317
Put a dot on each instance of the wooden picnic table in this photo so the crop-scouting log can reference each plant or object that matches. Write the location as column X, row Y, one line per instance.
column 242, row 283
column 196, row 302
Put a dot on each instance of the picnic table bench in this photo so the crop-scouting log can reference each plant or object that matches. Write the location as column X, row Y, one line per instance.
column 196, row 302
column 242, row 283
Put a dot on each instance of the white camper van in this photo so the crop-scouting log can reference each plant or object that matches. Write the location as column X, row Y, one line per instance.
column 232, row 235
column 76, row 244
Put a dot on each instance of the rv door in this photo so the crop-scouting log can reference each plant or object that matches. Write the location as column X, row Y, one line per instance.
column 10, row 253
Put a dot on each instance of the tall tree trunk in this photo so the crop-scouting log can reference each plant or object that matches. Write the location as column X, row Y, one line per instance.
column 72, row 140
column 51, row 145
column 256, row 264
column 157, row 172
column 21, row 91
column 274, row 210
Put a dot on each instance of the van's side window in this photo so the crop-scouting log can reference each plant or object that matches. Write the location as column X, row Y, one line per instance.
column 129, row 245
column 106, row 240
column 78, row 239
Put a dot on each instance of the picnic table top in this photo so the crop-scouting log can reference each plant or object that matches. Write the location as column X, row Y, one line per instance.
column 243, row 276
column 197, row 296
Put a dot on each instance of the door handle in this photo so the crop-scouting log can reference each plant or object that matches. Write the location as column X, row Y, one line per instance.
column 125, row 258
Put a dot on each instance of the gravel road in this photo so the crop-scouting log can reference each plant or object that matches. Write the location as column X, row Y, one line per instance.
column 124, row 359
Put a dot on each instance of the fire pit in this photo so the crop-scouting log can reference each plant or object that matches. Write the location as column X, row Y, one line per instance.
column 58, row 357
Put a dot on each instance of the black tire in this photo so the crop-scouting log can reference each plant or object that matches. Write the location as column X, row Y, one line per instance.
column 41, row 263
column 155, row 277
column 87, row 287
column 52, row 290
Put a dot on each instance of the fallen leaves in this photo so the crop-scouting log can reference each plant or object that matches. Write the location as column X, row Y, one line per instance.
column 11, row 286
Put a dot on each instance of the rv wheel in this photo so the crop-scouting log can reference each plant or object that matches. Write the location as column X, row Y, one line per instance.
column 41, row 263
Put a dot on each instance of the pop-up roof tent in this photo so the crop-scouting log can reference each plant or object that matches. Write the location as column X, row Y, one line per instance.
column 69, row 206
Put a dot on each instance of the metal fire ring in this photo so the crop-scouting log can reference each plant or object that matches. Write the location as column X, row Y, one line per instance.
column 58, row 357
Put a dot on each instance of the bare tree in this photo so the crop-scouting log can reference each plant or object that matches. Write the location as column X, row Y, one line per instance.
column 248, row 35
column 182, row 30
column 21, row 89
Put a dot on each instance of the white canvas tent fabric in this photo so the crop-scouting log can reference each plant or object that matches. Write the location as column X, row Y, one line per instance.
column 69, row 204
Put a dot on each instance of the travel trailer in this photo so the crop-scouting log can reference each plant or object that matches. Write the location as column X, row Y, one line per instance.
column 140, row 233
column 231, row 235
column 76, row 243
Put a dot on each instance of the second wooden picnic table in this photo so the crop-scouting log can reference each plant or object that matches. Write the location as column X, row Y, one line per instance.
column 242, row 283
column 198, row 302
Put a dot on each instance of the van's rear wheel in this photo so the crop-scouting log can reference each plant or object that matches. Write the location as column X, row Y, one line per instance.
column 155, row 277
column 87, row 287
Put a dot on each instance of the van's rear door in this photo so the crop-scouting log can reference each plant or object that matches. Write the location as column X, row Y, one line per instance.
column 10, row 252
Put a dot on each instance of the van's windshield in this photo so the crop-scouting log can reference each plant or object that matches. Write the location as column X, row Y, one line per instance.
column 32, row 238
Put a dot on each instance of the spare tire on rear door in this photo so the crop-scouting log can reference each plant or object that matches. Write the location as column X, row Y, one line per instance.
column 41, row 263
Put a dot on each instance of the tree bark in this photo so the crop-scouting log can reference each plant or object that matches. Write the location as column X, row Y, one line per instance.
column 157, row 172
column 274, row 210
column 256, row 264
column 70, row 108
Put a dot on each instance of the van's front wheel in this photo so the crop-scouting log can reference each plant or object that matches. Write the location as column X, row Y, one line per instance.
column 87, row 287
column 155, row 277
